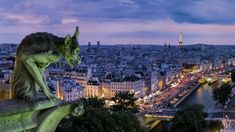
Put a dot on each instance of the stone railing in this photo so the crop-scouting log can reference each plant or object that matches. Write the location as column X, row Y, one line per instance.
column 39, row 115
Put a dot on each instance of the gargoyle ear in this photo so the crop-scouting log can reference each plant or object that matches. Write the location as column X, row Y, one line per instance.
column 76, row 33
column 67, row 41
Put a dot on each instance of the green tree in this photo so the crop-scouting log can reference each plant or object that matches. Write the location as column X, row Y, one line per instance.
column 101, row 120
column 214, row 126
column 125, row 101
column 127, row 122
column 233, row 76
column 222, row 94
column 93, row 120
column 183, row 121
column 96, row 118
column 191, row 118
column 93, row 102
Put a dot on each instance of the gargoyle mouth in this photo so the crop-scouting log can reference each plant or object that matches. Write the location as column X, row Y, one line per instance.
column 74, row 62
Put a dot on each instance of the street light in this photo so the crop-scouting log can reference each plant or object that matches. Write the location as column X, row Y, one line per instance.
column 226, row 121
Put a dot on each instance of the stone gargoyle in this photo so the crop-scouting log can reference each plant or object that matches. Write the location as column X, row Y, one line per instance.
column 34, row 54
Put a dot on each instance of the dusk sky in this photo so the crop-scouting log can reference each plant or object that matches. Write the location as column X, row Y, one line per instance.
column 121, row 21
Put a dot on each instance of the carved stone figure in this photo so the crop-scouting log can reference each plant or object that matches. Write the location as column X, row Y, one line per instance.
column 34, row 54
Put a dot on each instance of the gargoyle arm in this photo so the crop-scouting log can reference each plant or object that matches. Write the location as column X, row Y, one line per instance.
column 33, row 69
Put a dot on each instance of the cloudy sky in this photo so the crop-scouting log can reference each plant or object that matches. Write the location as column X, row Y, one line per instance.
column 121, row 21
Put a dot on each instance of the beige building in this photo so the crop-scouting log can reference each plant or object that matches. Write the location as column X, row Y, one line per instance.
column 130, row 83
column 93, row 88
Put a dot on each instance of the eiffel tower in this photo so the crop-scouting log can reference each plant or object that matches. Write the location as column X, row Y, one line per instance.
column 180, row 41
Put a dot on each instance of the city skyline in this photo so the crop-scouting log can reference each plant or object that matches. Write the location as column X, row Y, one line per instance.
column 121, row 22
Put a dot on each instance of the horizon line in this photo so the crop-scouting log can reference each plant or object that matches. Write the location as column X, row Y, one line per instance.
column 134, row 44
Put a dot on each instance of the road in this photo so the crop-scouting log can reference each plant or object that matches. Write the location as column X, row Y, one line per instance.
column 160, row 100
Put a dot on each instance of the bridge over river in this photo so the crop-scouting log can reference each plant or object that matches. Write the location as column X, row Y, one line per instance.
column 213, row 78
column 168, row 114
column 226, row 116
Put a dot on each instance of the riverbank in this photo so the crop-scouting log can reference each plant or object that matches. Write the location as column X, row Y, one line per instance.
column 186, row 95
column 201, row 95
column 183, row 94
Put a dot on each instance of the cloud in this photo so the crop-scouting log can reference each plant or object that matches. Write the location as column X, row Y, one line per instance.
column 188, row 11
column 20, row 18
column 203, row 11
column 27, row 12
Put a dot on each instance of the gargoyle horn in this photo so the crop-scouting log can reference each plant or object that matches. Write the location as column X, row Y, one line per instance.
column 76, row 33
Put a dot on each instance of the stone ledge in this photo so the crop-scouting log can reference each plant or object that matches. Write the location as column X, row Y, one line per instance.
column 36, row 115
column 9, row 107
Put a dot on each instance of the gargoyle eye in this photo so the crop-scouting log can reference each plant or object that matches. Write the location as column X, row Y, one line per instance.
column 76, row 50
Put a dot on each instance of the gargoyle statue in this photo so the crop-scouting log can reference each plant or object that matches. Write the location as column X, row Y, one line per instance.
column 34, row 54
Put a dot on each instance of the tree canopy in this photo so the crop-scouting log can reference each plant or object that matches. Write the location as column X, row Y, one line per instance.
column 233, row 76
column 94, row 102
column 96, row 118
column 124, row 101
column 191, row 118
column 214, row 126
column 222, row 94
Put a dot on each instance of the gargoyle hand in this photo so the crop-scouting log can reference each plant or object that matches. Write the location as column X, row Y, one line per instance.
column 51, row 97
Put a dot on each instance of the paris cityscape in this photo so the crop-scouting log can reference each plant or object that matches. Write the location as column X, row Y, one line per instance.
column 134, row 73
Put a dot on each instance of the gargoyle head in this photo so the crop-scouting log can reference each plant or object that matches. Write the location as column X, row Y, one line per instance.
column 72, row 49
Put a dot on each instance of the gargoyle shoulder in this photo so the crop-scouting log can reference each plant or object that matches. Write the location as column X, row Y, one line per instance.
column 39, row 42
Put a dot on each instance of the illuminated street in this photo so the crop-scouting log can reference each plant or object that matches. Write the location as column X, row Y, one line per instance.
column 165, row 97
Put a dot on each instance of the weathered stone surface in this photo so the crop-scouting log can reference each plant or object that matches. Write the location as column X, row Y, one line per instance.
column 34, row 107
column 39, row 115
column 34, row 54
